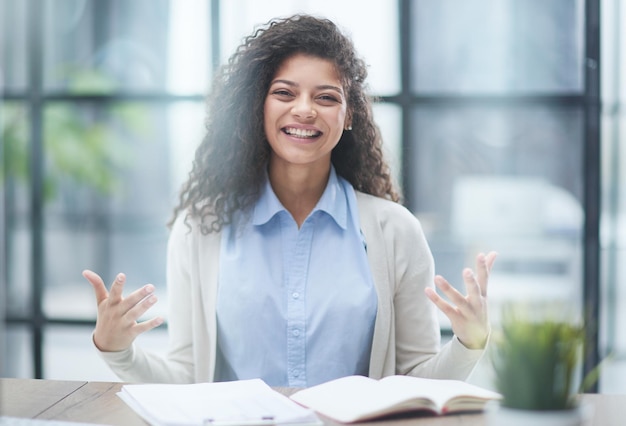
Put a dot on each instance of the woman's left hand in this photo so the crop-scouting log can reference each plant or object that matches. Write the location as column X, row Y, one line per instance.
column 468, row 314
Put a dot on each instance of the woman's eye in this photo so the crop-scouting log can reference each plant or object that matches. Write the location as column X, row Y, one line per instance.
column 281, row 92
column 328, row 98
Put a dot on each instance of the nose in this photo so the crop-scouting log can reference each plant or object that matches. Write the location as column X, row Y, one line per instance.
column 304, row 109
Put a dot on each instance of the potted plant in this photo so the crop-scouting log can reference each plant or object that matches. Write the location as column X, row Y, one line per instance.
column 536, row 358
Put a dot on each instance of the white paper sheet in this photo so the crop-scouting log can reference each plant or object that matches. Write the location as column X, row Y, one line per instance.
column 243, row 402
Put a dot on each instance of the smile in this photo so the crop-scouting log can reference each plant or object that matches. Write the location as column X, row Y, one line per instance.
column 301, row 133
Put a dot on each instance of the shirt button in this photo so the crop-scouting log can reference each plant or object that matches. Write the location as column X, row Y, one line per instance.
column 295, row 295
column 296, row 373
column 296, row 332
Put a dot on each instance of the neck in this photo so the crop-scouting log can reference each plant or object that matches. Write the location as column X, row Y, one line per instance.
column 299, row 188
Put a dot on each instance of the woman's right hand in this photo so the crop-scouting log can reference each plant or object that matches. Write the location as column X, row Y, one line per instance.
column 116, row 325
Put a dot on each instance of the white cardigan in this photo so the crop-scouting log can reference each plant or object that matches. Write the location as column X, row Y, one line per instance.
column 406, row 333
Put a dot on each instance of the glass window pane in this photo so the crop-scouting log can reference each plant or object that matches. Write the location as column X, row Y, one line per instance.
column 498, row 46
column 14, row 135
column 189, row 54
column 389, row 117
column 13, row 39
column 70, row 354
column 613, row 223
column 143, row 45
column 504, row 179
column 94, row 153
column 3, row 252
column 113, row 175
column 17, row 361
column 19, row 274
column 14, row 174
column 374, row 30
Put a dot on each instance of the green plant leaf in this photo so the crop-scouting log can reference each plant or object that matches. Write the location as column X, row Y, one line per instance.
column 536, row 360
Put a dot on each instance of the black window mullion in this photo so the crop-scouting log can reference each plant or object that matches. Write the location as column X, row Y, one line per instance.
column 405, row 101
column 36, row 164
column 592, row 188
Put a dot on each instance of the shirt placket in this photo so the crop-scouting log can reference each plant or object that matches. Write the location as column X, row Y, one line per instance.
column 297, row 262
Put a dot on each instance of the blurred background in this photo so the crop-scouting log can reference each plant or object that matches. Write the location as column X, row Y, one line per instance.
column 503, row 120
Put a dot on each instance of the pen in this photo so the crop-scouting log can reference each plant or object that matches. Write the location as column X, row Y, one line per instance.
column 263, row 421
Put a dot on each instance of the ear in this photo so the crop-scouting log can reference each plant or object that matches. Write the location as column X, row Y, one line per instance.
column 347, row 125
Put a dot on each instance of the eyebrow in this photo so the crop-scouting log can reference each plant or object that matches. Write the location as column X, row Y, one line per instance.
column 320, row 87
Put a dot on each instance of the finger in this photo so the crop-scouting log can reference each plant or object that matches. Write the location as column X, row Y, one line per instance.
column 490, row 259
column 443, row 306
column 451, row 293
column 144, row 326
column 472, row 284
column 97, row 284
column 137, row 296
column 141, row 307
column 482, row 272
column 117, row 288
column 484, row 263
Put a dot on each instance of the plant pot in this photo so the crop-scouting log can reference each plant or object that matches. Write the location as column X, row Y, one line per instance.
column 504, row 416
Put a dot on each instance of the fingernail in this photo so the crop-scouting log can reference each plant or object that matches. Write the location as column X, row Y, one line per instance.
column 149, row 288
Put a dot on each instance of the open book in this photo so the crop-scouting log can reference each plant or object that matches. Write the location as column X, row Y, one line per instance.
column 356, row 398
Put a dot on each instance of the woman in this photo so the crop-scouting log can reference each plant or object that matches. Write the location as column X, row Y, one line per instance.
column 290, row 258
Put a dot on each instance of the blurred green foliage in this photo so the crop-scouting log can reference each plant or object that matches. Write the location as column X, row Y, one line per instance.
column 83, row 142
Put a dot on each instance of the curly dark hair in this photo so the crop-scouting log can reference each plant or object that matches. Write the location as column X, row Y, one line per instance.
column 230, row 163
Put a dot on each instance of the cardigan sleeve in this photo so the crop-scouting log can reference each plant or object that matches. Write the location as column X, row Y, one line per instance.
column 138, row 365
column 417, row 326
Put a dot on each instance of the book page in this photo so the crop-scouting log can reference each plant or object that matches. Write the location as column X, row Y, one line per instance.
column 239, row 402
column 355, row 398
column 441, row 392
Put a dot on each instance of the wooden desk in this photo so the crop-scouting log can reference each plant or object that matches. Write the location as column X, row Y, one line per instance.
column 97, row 402
column 89, row 402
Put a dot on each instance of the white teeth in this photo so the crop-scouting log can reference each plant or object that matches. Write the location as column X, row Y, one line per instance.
column 301, row 133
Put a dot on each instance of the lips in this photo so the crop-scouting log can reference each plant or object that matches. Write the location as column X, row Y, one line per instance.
column 302, row 133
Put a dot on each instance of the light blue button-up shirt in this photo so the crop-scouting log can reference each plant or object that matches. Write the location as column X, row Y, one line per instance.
column 295, row 307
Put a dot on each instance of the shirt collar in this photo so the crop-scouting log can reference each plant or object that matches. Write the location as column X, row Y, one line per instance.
column 333, row 202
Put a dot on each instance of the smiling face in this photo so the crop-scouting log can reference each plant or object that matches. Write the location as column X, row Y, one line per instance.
column 305, row 112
